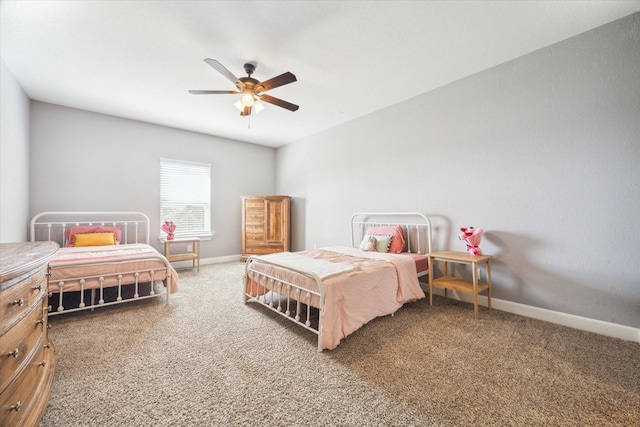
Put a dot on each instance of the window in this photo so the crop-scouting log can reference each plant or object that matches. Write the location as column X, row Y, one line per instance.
column 185, row 197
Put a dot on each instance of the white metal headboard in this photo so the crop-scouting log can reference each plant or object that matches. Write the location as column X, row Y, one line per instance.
column 416, row 227
column 51, row 226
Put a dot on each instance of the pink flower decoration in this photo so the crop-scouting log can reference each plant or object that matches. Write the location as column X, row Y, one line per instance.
column 169, row 227
column 472, row 237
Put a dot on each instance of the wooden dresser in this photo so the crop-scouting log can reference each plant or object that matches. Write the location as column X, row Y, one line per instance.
column 27, row 357
column 265, row 225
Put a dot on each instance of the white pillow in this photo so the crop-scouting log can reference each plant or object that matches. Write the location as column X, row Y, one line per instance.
column 382, row 243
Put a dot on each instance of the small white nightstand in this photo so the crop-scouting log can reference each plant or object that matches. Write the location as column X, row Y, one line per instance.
column 194, row 255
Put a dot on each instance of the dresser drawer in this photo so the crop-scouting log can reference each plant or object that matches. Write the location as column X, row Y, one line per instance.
column 18, row 344
column 264, row 249
column 254, row 229
column 254, row 204
column 18, row 299
column 254, row 238
column 23, row 402
column 254, row 217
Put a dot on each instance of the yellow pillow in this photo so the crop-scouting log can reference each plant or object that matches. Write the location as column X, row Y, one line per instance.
column 94, row 239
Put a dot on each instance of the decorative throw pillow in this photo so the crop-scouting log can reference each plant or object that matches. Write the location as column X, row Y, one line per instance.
column 382, row 243
column 84, row 229
column 398, row 241
column 94, row 239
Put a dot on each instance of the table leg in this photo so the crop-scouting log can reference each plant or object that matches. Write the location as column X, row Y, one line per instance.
column 489, row 283
column 431, row 260
column 475, row 289
column 446, row 273
column 197, row 245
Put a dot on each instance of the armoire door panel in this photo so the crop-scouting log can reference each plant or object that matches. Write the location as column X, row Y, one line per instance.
column 274, row 226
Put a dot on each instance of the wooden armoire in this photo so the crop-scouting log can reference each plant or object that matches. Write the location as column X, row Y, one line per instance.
column 265, row 225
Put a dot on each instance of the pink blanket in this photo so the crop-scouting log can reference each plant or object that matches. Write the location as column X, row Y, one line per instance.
column 378, row 285
column 91, row 262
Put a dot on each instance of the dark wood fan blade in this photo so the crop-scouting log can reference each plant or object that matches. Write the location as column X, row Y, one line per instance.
column 222, row 70
column 279, row 102
column 211, row 92
column 275, row 82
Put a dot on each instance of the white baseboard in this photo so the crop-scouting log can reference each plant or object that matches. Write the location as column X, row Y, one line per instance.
column 583, row 323
column 221, row 259
column 218, row 260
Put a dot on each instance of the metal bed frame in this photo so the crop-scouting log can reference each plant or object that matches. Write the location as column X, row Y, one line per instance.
column 289, row 299
column 134, row 226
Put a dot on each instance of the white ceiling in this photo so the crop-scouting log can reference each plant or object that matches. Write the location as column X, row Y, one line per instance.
column 138, row 59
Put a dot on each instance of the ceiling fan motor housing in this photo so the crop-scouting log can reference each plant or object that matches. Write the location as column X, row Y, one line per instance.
column 249, row 68
column 249, row 82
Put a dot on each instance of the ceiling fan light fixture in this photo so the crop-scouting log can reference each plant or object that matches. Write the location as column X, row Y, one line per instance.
column 258, row 106
column 248, row 99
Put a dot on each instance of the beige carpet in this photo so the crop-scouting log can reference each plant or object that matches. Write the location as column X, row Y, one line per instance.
column 209, row 360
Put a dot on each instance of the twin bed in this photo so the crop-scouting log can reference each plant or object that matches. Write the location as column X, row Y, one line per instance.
column 104, row 259
column 333, row 291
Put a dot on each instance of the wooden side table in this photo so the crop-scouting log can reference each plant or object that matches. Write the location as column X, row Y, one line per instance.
column 450, row 282
column 193, row 255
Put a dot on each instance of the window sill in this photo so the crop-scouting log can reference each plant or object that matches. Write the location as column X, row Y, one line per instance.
column 202, row 237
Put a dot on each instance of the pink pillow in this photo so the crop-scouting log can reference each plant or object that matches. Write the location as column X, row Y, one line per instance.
column 396, row 233
column 85, row 229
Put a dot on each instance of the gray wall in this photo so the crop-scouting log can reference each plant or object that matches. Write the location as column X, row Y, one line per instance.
column 14, row 158
column 542, row 152
column 83, row 161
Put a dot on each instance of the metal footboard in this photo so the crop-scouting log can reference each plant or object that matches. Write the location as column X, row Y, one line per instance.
column 124, row 278
column 290, row 300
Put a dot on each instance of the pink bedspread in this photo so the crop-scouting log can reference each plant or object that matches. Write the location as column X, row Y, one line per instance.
column 72, row 264
column 379, row 285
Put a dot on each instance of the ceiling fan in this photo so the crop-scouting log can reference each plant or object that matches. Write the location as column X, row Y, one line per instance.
column 252, row 90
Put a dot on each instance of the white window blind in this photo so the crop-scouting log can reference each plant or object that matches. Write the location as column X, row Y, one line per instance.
column 185, row 197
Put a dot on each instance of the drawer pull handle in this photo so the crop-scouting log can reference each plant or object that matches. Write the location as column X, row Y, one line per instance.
column 40, row 321
column 19, row 302
column 43, row 363
column 14, row 353
column 16, row 407
column 37, row 288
